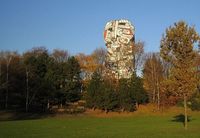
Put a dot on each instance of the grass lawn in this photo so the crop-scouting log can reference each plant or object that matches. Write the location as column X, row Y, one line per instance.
column 133, row 126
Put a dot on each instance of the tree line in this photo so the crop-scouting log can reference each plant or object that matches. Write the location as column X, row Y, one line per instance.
column 38, row 78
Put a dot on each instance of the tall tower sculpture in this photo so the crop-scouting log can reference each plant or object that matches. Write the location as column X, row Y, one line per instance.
column 119, row 39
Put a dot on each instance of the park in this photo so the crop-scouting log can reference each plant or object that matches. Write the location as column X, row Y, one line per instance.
column 99, row 69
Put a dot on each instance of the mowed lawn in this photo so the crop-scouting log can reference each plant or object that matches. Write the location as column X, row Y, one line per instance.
column 101, row 127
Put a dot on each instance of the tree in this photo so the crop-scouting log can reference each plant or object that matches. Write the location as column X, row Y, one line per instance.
column 99, row 56
column 87, row 65
column 27, row 88
column 198, row 69
column 93, row 90
column 139, row 94
column 10, row 75
column 39, row 86
column 60, row 56
column 126, row 95
column 57, row 72
column 195, row 101
column 108, row 99
column 91, row 63
column 177, row 47
column 7, row 58
column 101, row 93
column 11, row 79
column 138, row 56
column 72, row 84
column 153, row 74
column 27, row 58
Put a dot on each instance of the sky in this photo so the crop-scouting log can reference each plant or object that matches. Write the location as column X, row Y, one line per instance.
column 78, row 25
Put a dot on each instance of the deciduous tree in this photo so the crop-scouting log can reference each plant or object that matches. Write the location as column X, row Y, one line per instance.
column 177, row 47
column 138, row 56
column 153, row 74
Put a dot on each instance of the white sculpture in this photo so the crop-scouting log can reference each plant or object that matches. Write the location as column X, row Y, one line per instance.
column 119, row 39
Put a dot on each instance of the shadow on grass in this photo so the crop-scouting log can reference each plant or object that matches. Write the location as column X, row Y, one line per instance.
column 12, row 116
column 181, row 118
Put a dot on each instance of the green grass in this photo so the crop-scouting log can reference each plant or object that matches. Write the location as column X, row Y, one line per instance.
column 94, row 127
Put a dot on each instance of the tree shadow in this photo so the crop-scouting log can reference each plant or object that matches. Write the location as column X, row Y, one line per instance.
column 181, row 118
column 13, row 116
column 20, row 115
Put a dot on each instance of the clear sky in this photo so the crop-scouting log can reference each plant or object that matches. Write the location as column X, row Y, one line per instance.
column 77, row 25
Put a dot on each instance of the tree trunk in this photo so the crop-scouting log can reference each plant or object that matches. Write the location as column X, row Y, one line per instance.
column 48, row 104
column 153, row 79
column 6, row 104
column 158, row 94
column 185, row 107
column 154, row 95
column 106, row 111
column 27, row 91
column 7, row 67
column 0, row 74
column 136, row 105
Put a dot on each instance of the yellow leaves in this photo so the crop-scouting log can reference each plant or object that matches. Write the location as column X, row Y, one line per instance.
column 87, row 62
column 177, row 46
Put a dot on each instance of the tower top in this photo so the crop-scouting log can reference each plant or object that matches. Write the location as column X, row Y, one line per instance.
column 119, row 30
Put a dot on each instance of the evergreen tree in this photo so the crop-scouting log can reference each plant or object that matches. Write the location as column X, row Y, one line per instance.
column 139, row 93
column 109, row 100
column 126, row 95
column 93, row 90
column 72, row 80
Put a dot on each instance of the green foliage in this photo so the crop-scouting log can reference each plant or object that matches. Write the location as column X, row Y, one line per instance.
column 38, row 78
column 126, row 95
column 109, row 95
column 94, row 90
column 40, row 83
column 72, row 84
column 139, row 93
column 195, row 101
column 101, row 94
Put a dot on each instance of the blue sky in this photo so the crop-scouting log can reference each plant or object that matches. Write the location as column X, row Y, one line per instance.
column 77, row 25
